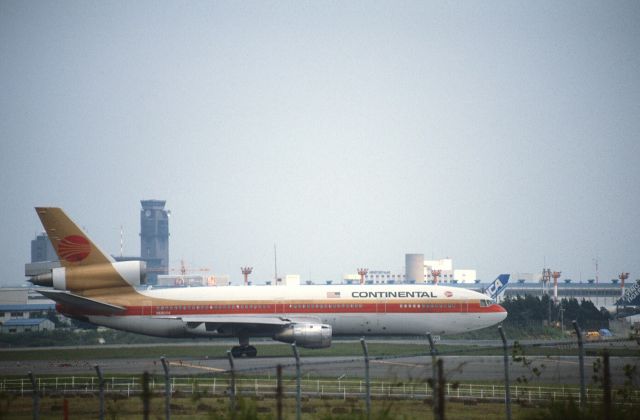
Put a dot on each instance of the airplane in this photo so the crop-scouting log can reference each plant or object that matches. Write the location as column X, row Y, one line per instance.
column 497, row 286
column 91, row 286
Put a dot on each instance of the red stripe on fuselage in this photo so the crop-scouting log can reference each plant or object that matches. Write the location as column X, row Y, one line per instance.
column 248, row 308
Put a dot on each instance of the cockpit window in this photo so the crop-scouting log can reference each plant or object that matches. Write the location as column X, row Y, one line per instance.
column 486, row 302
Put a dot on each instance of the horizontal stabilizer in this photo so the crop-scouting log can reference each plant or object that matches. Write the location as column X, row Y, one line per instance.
column 81, row 303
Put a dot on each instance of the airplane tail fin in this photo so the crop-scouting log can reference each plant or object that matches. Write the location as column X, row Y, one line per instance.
column 86, row 269
column 497, row 286
column 71, row 243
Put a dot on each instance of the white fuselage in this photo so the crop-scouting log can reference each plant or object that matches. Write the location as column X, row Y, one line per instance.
column 400, row 309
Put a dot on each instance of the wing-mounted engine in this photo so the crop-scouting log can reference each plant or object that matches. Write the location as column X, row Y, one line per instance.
column 311, row 336
column 94, row 276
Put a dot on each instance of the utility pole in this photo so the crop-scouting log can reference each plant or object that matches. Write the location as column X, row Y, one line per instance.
column 363, row 272
column 556, row 276
column 546, row 279
column 622, row 277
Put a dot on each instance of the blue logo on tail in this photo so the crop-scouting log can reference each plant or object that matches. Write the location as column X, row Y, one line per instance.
column 497, row 286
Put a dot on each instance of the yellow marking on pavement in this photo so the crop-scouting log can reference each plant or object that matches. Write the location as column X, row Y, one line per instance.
column 189, row 365
column 569, row 362
column 384, row 362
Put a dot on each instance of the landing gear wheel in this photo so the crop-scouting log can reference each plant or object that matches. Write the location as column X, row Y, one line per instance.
column 243, row 351
column 251, row 351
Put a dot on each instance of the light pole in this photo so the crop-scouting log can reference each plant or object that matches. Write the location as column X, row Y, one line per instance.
column 435, row 274
column 363, row 272
column 246, row 271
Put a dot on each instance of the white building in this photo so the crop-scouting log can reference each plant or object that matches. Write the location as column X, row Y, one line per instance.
column 380, row 276
column 465, row 276
column 447, row 273
column 292, row 280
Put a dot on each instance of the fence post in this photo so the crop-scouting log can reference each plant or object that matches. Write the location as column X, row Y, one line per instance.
column 232, row 392
column 146, row 396
column 583, row 395
column 440, row 415
column 279, row 391
column 366, row 376
column 167, row 388
column 298, row 390
column 65, row 409
column 35, row 396
column 606, row 386
column 507, row 389
column 434, row 383
column 100, row 391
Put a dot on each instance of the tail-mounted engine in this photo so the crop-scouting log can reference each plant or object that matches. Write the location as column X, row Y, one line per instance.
column 311, row 336
column 95, row 276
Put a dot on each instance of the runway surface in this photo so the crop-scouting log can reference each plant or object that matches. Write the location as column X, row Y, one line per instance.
column 556, row 369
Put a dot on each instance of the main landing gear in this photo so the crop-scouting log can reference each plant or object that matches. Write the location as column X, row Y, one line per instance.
column 244, row 349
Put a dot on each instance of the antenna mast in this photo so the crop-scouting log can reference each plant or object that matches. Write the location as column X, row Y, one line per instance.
column 275, row 264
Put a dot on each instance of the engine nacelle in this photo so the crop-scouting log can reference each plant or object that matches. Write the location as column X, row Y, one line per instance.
column 95, row 276
column 134, row 272
column 310, row 336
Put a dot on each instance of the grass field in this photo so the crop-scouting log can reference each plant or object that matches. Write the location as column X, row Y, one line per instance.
column 283, row 350
column 18, row 408
column 248, row 408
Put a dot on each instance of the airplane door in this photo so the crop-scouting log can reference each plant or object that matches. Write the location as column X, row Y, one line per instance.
column 381, row 316
column 280, row 307
column 146, row 308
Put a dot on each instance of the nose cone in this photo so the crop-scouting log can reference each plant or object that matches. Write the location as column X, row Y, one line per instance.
column 503, row 313
column 496, row 315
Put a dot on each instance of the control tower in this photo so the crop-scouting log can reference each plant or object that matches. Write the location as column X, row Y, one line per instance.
column 154, row 238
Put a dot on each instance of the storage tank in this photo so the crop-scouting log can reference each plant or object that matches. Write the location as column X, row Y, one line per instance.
column 414, row 267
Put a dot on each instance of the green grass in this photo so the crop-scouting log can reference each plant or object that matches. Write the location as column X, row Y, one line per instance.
column 282, row 350
column 248, row 408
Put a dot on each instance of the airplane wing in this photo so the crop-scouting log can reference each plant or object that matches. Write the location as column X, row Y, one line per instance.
column 81, row 302
column 239, row 320
column 225, row 324
column 244, row 319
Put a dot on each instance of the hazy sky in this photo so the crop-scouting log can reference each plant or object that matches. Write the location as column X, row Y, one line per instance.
column 501, row 134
